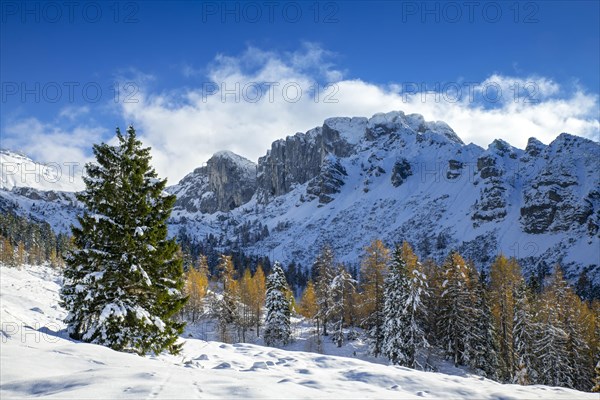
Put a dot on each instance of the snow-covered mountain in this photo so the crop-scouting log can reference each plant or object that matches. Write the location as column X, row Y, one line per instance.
column 394, row 177
column 38, row 359
column 18, row 170
column 43, row 191
column 398, row 177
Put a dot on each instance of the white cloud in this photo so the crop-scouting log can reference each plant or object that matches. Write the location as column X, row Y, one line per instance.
column 73, row 112
column 48, row 143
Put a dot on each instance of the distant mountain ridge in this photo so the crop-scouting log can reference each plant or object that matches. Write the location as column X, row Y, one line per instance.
column 392, row 176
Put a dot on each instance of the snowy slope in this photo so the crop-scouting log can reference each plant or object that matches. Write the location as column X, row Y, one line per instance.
column 37, row 360
column 18, row 170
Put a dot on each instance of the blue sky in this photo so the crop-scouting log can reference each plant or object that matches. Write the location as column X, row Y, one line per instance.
column 378, row 55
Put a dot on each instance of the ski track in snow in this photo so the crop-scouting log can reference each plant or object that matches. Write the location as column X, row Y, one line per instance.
column 37, row 359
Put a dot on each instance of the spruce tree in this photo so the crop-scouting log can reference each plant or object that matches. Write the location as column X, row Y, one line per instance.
column 456, row 311
column 226, row 306
column 123, row 281
column 342, row 288
column 396, row 344
column 552, row 344
column 324, row 270
column 416, row 308
column 483, row 348
column 278, row 309
column 523, row 337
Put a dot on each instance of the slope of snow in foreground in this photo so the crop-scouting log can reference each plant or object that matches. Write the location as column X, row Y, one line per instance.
column 38, row 360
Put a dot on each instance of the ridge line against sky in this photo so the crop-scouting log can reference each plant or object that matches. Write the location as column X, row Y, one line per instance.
column 201, row 96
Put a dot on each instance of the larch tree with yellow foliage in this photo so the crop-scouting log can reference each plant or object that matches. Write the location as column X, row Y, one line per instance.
column 309, row 309
column 245, row 307
column 196, row 287
column 373, row 272
column 257, row 297
column 308, row 302
column 505, row 277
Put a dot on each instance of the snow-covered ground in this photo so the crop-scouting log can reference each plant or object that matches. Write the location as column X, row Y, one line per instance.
column 38, row 360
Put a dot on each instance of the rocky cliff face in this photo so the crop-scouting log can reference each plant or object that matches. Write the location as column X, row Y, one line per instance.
column 225, row 183
column 300, row 158
column 494, row 167
column 560, row 197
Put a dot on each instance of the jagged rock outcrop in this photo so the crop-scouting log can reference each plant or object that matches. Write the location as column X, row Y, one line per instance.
column 401, row 171
column 493, row 167
column 455, row 169
column 554, row 202
column 299, row 158
column 534, row 148
column 225, row 183
column 295, row 160
column 329, row 181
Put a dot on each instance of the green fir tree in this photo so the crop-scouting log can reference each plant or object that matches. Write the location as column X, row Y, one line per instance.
column 278, row 309
column 123, row 281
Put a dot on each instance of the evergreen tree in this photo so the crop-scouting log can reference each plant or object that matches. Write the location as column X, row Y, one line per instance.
column 123, row 282
column 523, row 337
column 226, row 306
column 456, row 313
column 342, row 287
column 416, row 308
column 396, row 323
column 433, row 302
column 278, row 309
column 324, row 271
column 483, row 346
column 552, row 344
column 578, row 322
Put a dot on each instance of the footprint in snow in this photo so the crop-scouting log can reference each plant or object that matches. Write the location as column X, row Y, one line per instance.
column 303, row 371
column 259, row 365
